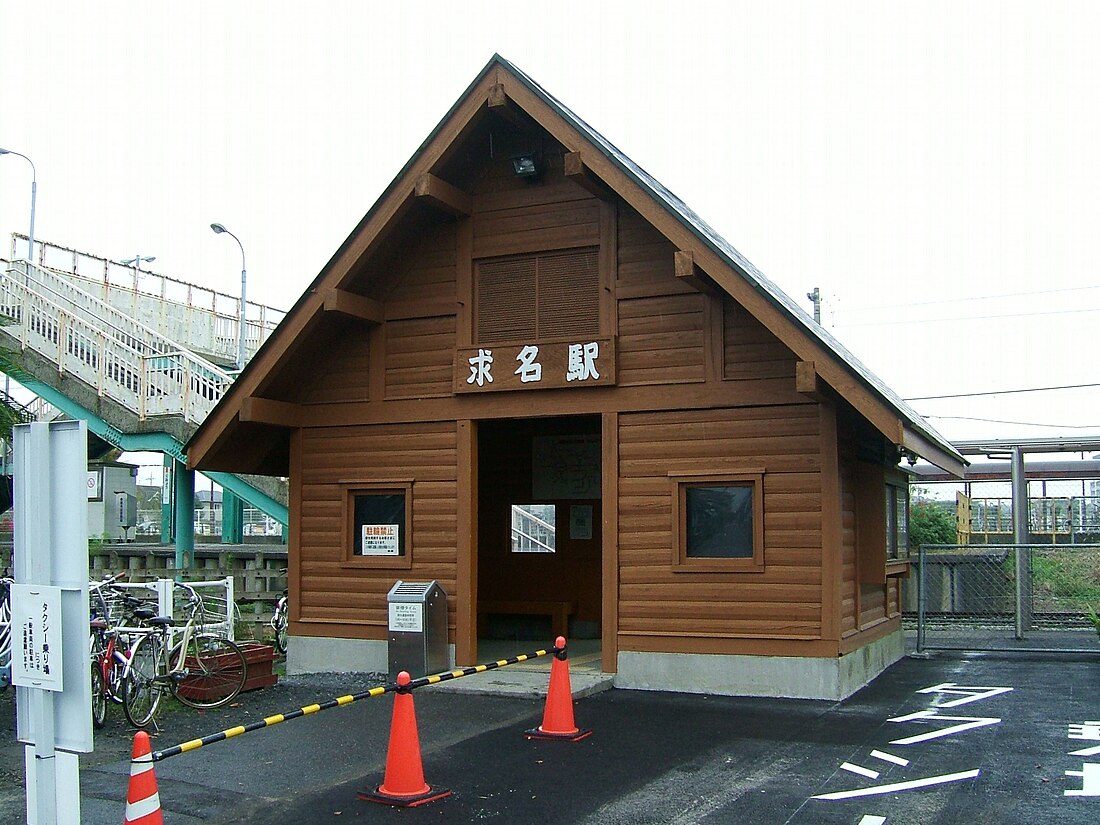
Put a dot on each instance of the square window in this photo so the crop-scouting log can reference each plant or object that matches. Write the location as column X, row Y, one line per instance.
column 379, row 525
column 719, row 523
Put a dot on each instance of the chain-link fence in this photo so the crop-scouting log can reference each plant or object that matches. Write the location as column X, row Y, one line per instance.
column 1004, row 596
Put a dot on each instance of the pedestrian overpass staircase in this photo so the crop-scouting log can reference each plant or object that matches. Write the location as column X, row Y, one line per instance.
column 140, row 357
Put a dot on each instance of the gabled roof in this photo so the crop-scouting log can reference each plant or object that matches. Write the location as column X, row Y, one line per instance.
column 837, row 366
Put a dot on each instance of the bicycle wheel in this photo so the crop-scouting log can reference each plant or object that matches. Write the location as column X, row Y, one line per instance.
column 280, row 625
column 99, row 696
column 144, row 681
column 215, row 671
column 5, row 634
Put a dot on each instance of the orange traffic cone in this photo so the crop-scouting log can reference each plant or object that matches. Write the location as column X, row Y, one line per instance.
column 403, row 784
column 142, row 800
column 557, row 719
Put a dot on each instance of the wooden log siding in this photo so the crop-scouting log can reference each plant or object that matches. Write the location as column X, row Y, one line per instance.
column 749, row 349
column 660, row 320
column 783, row 602
column 353, row 597
column 661, row 340
column 344, row 373
column 872, row 604
column 848, row 601
column 420, row 357
column 503, row 226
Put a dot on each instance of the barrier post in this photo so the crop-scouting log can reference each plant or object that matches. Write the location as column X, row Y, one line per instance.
column 142, row 798
column 403, row 784
column 557, row 718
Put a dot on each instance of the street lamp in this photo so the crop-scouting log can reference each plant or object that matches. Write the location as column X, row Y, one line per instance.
column 219, row 229
column 34, row 191
column 136, row 263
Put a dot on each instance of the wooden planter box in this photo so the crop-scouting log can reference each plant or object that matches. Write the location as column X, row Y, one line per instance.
column 258, row 658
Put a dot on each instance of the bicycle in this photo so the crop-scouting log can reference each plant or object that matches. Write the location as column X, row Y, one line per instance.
column 280, row 621
column 5, row 632
column 109, row 644
column 202, row 670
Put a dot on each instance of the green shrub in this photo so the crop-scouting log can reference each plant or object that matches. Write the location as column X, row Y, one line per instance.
column 930, row 523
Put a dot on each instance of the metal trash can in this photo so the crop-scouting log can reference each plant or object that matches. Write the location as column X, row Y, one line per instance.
column 418, row 629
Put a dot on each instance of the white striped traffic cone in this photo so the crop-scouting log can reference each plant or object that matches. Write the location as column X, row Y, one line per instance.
column 142, row 800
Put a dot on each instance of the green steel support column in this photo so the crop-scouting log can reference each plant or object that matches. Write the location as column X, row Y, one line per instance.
column 232, row 518
column 166, row 501
column 184, row 500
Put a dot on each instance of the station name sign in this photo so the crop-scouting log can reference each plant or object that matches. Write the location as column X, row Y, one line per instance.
column 555, row 365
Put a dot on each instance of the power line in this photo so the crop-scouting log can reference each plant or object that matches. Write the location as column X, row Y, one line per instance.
column 1020, row 423
column 1002, row 392
column 895, row 321
column 964, row 300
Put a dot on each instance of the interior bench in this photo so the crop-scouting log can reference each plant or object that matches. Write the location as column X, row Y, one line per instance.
column 559, row 612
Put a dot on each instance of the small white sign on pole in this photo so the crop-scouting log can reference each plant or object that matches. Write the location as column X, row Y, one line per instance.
column 36, row 637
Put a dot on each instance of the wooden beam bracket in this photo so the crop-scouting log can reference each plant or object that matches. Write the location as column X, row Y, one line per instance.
column 354, row 306
column 500, row 104
column 582, row 175
column 689, row 273
column 270, row 411
column 437, row 192
column 806, row 380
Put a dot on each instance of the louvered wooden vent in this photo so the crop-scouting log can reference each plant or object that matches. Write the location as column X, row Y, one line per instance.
column 538, row 297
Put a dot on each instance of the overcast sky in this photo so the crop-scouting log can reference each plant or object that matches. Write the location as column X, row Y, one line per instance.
column 931, row 167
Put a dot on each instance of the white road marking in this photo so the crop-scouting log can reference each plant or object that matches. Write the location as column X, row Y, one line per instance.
column 969, row 694
column 901, row 786
column 1090, row 780
column 889, row 757
column 872, row 820
column 1086, row 751
column 870, row 774
column 969, row 722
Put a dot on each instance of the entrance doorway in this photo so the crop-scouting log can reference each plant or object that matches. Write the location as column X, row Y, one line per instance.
column 539, row 541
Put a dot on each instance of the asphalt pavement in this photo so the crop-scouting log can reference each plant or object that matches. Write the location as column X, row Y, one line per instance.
column 951, row 738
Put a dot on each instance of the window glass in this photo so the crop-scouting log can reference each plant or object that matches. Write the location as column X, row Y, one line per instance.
column 719, row 521
column 901, row 518
column 897, row 522
column 379, row 526
column 533, row 528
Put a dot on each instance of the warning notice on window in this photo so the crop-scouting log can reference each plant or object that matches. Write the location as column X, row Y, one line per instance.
column 381, row 540
column 407, row 617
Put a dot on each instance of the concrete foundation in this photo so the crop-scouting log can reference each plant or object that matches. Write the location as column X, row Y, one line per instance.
column 324, row 654
column 774, row 676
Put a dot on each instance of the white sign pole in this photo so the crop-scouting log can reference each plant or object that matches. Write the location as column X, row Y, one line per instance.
column 51, row 596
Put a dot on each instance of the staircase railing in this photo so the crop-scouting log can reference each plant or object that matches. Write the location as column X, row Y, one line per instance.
column 203, row 318
column 121, row 358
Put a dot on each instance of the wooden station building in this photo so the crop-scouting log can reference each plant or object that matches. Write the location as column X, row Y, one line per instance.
column 534, row 375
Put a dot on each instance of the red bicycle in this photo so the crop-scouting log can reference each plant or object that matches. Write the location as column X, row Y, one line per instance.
column 110, row 644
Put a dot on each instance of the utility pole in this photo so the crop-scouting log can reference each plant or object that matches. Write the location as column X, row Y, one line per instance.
column 815, row 296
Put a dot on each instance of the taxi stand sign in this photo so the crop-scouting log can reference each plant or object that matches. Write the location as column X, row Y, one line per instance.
column 51, row 565
column 36, row 637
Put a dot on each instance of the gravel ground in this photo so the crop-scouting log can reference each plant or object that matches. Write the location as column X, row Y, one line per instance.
column 176, row 723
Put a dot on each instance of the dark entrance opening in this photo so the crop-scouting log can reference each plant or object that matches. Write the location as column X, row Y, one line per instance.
column 539, row 540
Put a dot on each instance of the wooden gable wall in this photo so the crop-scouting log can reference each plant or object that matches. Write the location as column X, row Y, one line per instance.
column 730, row 404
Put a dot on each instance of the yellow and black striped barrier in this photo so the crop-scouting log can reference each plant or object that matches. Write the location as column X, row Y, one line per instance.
column 308, row 710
